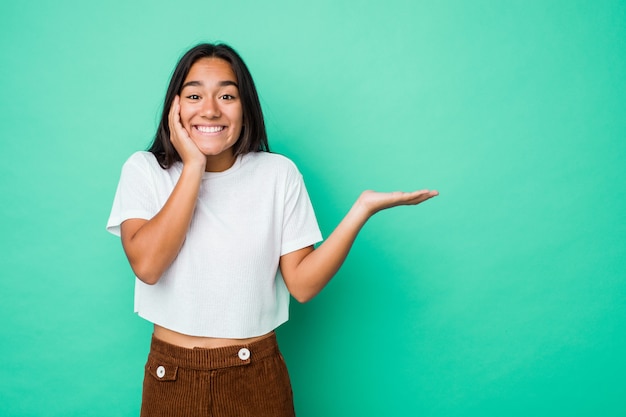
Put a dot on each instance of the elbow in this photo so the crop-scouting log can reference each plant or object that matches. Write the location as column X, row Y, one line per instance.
column 303, row 297
column 146, row 274
column 147, row 279
column 303, row 300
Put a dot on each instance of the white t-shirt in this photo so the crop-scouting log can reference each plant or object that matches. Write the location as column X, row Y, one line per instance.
column 225, row 281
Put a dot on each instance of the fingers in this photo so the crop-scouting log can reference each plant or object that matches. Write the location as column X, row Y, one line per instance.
column 174, row 119
column 423, row 196
column 180, row 138
column 374, row 201
column 415, row 197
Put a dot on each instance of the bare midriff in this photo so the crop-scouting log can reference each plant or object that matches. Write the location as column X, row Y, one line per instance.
column 190, row 342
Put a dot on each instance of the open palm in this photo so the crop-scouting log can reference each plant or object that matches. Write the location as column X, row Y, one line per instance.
column 374, row 201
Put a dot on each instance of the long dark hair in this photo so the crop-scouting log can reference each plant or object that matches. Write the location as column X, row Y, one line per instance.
column 253, row 137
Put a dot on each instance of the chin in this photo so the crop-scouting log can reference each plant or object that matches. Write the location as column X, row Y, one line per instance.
column 216, row 152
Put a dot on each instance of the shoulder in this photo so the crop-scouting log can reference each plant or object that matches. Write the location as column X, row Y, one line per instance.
column 142, row 158
column 271, row 162
column 143, row 166
column 145, row 162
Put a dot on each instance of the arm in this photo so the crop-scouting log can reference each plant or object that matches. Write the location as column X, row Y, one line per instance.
column 307, row 271
column 152, row 245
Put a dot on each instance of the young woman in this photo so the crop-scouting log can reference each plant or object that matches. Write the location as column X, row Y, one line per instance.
column 219, row 232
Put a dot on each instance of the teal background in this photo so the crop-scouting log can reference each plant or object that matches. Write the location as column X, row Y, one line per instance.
column 506, row 295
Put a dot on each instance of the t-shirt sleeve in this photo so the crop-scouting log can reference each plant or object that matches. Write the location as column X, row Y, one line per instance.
column 135, row 197
column 300, row 228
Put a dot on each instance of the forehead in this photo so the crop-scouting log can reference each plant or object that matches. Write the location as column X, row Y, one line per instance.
column 210, row 71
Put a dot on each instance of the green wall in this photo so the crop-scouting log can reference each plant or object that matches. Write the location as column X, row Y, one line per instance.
column 504, row 296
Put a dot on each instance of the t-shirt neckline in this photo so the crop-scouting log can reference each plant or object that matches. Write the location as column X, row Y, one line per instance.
column 236, row 165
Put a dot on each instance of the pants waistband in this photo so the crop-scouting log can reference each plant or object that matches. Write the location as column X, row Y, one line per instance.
column 215, row 358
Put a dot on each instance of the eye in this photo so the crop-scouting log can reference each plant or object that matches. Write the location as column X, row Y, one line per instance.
column 193, row 97
column 227, row 97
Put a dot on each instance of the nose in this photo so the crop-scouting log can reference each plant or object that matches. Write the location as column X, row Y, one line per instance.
column 210, row 108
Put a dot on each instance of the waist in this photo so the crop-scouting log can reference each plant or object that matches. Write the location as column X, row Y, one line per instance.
column 163, row 354
column 182, row 340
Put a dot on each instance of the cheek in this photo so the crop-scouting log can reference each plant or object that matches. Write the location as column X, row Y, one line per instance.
column 185, row 115
column 238, row 117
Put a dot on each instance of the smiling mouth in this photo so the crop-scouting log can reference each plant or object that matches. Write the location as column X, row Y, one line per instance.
column 210, row 129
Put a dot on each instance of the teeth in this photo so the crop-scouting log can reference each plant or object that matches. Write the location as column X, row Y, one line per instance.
column 210, row 129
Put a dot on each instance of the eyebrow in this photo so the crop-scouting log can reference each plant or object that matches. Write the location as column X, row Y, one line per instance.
column 199, row 84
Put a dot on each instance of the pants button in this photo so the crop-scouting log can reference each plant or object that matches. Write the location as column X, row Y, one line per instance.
column 244, row 354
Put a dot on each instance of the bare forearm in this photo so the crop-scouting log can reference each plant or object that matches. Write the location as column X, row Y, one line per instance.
column 320, row 265
column 153, row 245
column 307, row 271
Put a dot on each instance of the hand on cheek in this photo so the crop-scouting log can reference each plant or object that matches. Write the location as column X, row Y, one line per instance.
column 179, row 136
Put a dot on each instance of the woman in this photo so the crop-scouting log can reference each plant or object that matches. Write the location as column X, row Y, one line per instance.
column 219, row 233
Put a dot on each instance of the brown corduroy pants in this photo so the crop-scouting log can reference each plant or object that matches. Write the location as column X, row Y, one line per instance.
column 234, row 381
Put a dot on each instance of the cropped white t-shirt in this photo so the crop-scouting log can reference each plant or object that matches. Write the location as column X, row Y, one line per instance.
column 225, row 281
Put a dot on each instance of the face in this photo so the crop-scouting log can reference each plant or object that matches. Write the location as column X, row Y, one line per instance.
column 210, row 108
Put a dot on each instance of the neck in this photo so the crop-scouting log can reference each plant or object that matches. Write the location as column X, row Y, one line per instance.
column 219, row 163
